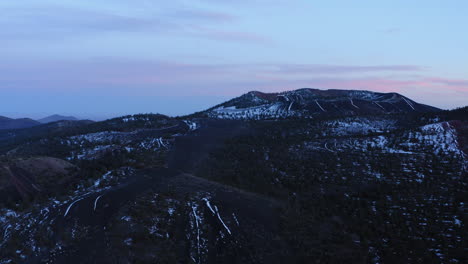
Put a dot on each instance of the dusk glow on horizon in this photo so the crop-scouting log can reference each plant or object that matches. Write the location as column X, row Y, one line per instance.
column 98, row 59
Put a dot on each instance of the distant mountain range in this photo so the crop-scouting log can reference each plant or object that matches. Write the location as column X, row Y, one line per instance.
column 305, row 102
column 308, row 102
column 11, row 123
column 55, row 118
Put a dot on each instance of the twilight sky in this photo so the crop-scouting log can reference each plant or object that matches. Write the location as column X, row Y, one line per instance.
column 103, row 58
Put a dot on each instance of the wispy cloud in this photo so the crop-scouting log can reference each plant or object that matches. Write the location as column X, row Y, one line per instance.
column 158, row 77
column 344, row 69
column 104, row 77
column 202, row 15
column 231, row 36
column 390, row 31
column 449, row 82
column 55, row 21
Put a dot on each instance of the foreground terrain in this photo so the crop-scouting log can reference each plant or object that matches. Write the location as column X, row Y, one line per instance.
column 261, row 179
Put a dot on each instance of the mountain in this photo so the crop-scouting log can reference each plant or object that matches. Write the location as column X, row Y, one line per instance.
column 324, row 186
column 308, row 102
column 55, row 118
column 9, row 123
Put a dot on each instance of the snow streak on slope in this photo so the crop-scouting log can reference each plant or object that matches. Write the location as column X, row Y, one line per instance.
column 313, row 102
column 319, row 105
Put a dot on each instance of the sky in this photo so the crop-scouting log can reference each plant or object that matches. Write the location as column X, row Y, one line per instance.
column 104, row 58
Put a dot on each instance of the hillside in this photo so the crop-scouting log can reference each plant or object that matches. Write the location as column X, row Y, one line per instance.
column 313, row 102
column 30, row 176
column 9, row 123
column 348, row 187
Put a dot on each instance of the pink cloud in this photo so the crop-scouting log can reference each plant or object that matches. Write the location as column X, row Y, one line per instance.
column 336, row 69
column 104, row 75
column 454, row 84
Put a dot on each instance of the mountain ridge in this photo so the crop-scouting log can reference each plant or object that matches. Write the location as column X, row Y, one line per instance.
column 55, row 118
column 231, row 191
column 11, row 123
column 308, row 102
